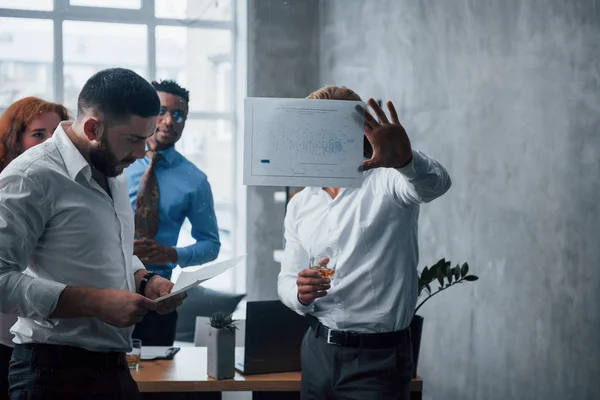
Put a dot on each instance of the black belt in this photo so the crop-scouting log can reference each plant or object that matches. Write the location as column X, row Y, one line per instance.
column 57, row 356
column 355, row 339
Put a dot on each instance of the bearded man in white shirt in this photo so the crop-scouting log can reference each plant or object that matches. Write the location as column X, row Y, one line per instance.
column 66, row 261
column 358, row 345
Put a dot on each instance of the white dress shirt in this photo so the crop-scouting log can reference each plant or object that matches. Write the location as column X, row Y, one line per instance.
column 374, row 229
column 56, row 221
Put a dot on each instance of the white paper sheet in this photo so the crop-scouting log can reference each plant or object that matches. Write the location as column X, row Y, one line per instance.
column 303, row 142
column 189, row 279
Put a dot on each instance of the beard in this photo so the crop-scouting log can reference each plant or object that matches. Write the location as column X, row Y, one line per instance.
column 165, row 138
column 104, row 160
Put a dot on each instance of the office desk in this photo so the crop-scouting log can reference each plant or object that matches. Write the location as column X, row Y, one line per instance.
column 187, row 373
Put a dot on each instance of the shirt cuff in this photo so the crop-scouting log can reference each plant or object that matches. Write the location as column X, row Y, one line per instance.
column 301, row 308
column 412, row 169
column 42, row 296
column 184, row 255
column 137, row 264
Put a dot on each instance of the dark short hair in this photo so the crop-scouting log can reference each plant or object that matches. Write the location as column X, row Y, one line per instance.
column 172, row 87
column 119, row 92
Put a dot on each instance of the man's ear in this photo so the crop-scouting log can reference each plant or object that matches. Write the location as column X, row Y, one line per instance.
column 92, row 128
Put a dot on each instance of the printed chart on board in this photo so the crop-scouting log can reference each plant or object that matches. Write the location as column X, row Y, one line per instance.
column 302, row 142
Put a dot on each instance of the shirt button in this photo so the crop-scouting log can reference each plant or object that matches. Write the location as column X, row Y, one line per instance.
column 339, row 305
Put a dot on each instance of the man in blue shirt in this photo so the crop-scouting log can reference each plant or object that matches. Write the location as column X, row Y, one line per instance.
column 165, row 189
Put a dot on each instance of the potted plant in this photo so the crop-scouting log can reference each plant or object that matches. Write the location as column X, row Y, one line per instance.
column 446, row 277
column 221, row 346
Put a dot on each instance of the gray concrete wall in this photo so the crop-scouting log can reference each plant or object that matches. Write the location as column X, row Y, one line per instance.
column 506, row 94
column 282, row 62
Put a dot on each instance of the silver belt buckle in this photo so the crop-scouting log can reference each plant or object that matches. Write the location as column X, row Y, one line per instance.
column 329, row 337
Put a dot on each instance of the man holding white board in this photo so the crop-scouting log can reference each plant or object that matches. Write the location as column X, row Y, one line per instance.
column 350, row 264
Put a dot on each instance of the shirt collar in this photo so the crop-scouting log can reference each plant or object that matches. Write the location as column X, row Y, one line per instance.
column 318, row 190
column 72, row 157
column 169, row 155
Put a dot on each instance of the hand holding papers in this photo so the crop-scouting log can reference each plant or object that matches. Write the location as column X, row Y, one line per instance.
column 189, row 279
column 302, row 142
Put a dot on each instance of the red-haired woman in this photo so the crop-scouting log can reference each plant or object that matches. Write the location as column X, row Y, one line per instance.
column 24, row 124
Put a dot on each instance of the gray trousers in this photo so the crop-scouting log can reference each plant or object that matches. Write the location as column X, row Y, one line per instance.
column 345, row 373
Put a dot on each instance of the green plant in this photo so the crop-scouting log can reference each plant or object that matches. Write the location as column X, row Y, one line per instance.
column 446, row 277
column 223, row 321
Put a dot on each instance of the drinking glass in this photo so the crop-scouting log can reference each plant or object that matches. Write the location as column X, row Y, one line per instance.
column 134, row 356
column 324, row 260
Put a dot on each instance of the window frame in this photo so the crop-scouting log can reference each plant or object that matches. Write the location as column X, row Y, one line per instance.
column 64, row 11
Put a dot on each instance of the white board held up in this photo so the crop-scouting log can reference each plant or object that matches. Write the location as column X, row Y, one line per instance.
column 303, row 142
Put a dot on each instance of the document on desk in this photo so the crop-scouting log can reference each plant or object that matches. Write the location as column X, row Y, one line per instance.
column 189, row 279
column 303, row 142
column 158, row 352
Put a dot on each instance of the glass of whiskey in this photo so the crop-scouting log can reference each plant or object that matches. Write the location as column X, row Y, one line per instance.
column 324, row 261
column 134, row 356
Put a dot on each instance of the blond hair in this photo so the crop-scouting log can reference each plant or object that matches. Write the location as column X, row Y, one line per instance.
column 334, row 93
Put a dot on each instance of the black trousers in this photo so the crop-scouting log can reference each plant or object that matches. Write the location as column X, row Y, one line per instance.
column 348, row 373
column 156, row 329
column 40, row 372
column 5, row 354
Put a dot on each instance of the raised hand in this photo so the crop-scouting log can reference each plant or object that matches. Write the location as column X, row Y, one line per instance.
column 391, row 145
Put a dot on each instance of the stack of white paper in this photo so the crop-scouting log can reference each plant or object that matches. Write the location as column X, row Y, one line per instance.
column 189, row 279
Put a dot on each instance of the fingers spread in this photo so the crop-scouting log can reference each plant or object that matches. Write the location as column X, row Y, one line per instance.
column 378, row 111
column 370, row 122
column 359, row 119
column 393, row 113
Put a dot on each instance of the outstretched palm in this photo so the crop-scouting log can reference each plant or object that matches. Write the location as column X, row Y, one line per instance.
column 391, row 145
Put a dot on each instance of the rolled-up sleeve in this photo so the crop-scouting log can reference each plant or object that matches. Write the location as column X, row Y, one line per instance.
column 421, row 181
column 295, row 258
column 137, row 264
column 24, row 212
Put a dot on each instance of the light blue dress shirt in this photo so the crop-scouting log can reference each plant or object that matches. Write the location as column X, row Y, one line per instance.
column 184, row 193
